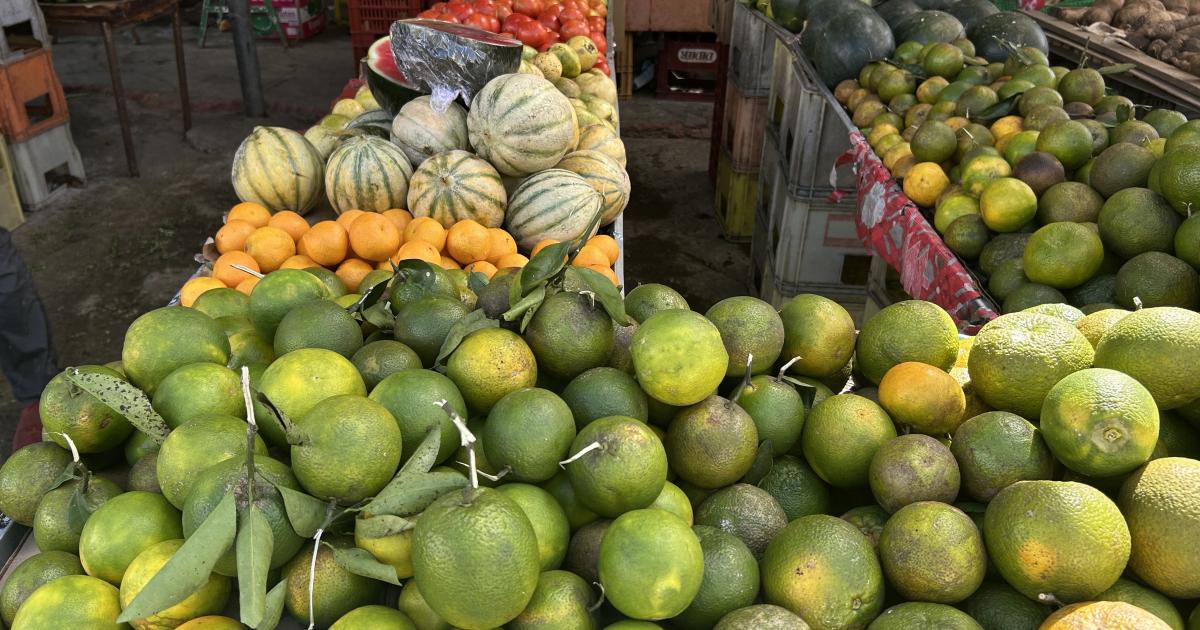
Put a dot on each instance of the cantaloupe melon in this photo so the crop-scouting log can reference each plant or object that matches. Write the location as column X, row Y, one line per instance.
column 603, row 174
column 278, row 169
column 456, row 185
column 553, row 204
column 422, row 132
column 367, row 173
column 521, row 124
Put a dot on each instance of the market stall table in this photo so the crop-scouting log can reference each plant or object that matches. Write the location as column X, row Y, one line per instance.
column 114, row 16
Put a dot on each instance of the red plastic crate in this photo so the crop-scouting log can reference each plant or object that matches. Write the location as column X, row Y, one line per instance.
column 360, row 42
column 376, row 16
column 688, row 68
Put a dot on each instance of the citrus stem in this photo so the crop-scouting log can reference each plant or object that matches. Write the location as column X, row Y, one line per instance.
column 737, row 393
column 1137, row 303
column 466, row 439
column 312, row 576
column 583, row 451
column 241, row 267
column 71, row 445
column 786, row 366
column 251, row 430
column 600, row 600
column 1049, row 598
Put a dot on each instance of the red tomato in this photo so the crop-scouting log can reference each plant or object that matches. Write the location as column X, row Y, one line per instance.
column 478, row 20
column 484, row 6
column 461, row 11
column 567, row 15
column 552, row 37
column 602, row 66
column 595, row 24
column 431, row 14
column 600, row 41
column 532, row 34
column 502, row 12
column 527, row 7
column 509, row 24
column 549, row 19
column 571, row 28
column 440, row 7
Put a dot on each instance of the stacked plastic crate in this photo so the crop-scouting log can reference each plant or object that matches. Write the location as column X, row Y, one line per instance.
column 33, row 111
column 805, row 238
column 752, row 43
column 371, row 19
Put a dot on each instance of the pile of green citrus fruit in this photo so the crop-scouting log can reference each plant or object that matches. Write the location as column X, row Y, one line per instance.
column 1058, row 190
column 609, row 462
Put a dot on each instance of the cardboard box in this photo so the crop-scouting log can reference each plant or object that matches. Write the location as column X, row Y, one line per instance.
column 301, row 19
column 668, row 16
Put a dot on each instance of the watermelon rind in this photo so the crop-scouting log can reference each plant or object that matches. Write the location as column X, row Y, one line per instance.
column 389, row 87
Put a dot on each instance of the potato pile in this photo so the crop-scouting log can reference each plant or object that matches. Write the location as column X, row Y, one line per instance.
column 1165, row 29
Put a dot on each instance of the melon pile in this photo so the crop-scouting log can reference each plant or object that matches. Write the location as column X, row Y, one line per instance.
column 529, row 155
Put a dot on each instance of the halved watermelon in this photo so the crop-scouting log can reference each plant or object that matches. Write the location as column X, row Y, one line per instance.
column 448, row 60
column 388, row 85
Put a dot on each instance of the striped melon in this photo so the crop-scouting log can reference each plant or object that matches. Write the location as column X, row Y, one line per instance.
column 421, row 132
column 367, row 173
column 456, row 185
column 554, row 203
column 279, row 169
column 602, row 138
column 605, row 175
column 521, row 124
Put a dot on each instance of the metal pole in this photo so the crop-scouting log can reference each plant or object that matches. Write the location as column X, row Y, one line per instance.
column 247, row 59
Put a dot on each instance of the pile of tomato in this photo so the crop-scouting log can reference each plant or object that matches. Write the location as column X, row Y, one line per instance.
column 537, row 23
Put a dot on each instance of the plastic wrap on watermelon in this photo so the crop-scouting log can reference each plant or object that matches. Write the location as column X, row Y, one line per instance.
column 450, row 60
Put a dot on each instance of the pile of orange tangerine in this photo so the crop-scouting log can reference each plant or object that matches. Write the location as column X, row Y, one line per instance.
column 359, row 242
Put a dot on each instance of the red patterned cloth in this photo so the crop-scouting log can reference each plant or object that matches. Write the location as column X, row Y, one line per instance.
column 892, row 227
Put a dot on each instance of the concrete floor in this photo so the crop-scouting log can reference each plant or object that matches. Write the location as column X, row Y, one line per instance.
column 103, row 254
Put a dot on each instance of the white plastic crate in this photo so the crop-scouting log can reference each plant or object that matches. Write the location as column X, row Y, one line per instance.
column 811, row 129
column 14, row 12
column 752, row 50
column 41, row 163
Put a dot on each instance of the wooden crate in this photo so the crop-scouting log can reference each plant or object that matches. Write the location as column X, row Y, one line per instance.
column 624, row 59
column 744, row 128
column 735, row 199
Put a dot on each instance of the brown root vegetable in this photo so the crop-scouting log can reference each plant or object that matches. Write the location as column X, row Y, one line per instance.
column 1177, row 6
column 1103, row 11
column 1072, row 15
column 1131, row 15
column 1158, row 26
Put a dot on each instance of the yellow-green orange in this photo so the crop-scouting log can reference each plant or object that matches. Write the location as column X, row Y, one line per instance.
column 823, row 569
column 1095, row 325
column 1187, row 241
column 1116, row 615
column 911, row 330
column 625, row 472
column 390, row 549
column 841, row 436
column 27, row 475
column 1069, row 201
column 675, row 501
column 1056, row 538
column 488, row 365
column 1137, row 220
column 475, row 558
column 712, row 444
column 561, row 600
column 651, row 564
column 31, row 573
column 570, row 334
column 92, row 425
column 1179, row 176
column 776, row 408
column 1161, row 503
column 951, row 207
column 730, row 581
column 1157, row 279
column 751, row 330
column 820, row 332
column 1063, row 255
column 1017, row 358
column 166, row 338
column 932, row 552
column 549, row 521
column 995, row 604
column 121, row 529
column 71, row 601
column 382, row 358
column 529, row 432
column 924, row 183
column 605, row 391
column 746, row 511
column 996, row 449
column 934, row 142
column 350, row 451
column 1160, row 347
column 1069, row 141
column 374, row 616
column 318, row 324
column 761, row 617
column 209, row 599
column 335, row 591
column 1100, row 422
column 679, row 357
column 1147, row 599
column 196, row 390
column 299, row 380
column 412, row 396
column 923, row 397
column 913, row 468
column 647, row 299
column 923, row 615
column 52, row 528
column 279, row 292
column 1006, row 204
column 195, row 446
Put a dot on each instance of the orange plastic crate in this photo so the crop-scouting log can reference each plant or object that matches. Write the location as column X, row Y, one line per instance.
column 31, row 98
column 376, row 16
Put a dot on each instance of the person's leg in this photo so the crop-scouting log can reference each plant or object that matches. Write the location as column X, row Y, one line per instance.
column 27, row 357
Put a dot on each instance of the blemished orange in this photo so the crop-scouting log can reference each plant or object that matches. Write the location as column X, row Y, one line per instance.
column 606, row 272
column 290, row 222
column 590, row 255
column 247, row 285
column 250, row 212
column 347, row 218
column 608, row 245
column 502, row 245
column 196, row 286
column 449, row 263
column 224, row 271
column 543, row 244
column 299, row 261
column 373, row 237
column 232, row 236
column 399, row 218
column 427, row 230
column 484, row 267
column 511, row 260
column 352, row 271
column 270, row 246
column 420, row 250
column 468, row 241
column 325, row 243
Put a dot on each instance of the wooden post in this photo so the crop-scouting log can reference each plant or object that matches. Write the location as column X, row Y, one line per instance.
column 247, row 59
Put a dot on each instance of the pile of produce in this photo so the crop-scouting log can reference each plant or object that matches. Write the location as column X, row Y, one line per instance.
column 1168, row 30
column 536, row 23
column 1057, row 190
column 535, row 451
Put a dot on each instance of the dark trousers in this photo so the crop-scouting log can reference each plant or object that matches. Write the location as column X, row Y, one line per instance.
column 27, row 357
